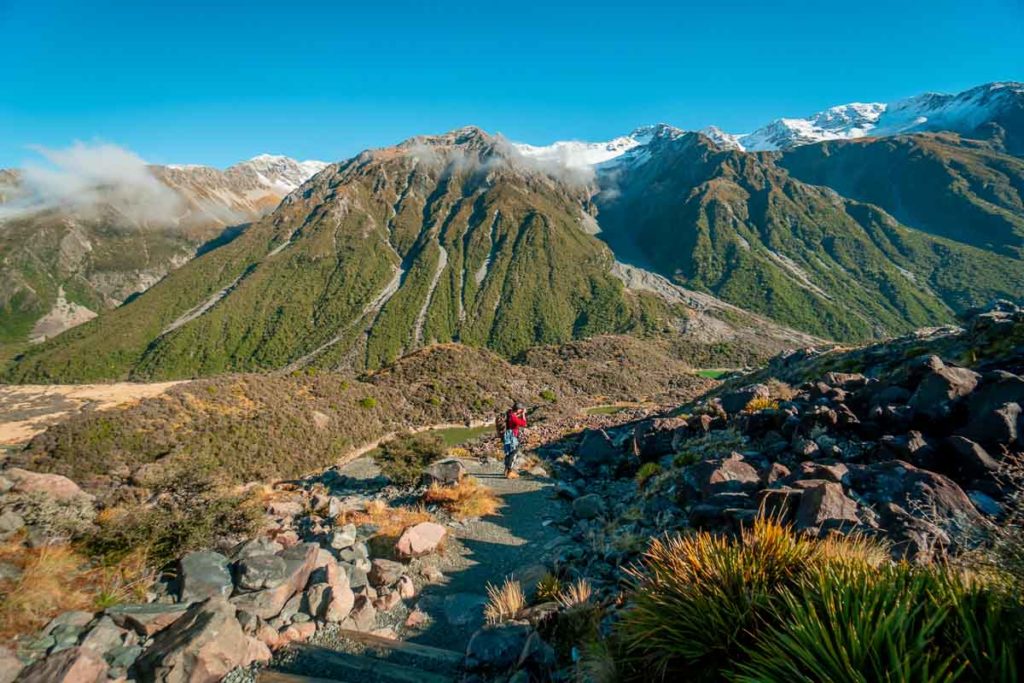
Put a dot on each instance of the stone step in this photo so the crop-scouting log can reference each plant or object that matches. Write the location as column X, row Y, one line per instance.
column 343, row 667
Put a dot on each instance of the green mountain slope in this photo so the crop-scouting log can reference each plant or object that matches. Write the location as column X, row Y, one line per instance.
column 941, row 184
column 439, row 239
column 741, row 227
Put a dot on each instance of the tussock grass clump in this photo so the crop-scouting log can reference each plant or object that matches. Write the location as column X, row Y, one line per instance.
column 646, row 472
column 504, row 602
column 548, row 588
column 389, row 521
column 404, row 458
column 468, row 498
column 757, row 404
column 575, row 594
column 772, row 606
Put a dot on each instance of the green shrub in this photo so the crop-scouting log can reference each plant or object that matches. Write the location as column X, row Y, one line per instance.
column 193, row 516
column 646, row 471
column 368, row 402
column 548, row 396
column 404, row 458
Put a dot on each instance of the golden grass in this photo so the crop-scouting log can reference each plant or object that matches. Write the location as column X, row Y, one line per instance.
column 780, row 391
column 576, row 594
column 390, row 521
column 758, row 404
column 468, row 498
column 504, row 602
column 54, row 579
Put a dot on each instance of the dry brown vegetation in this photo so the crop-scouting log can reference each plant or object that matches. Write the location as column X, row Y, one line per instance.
column 57, row 578
column 389, row 521
column 468, row 498
column 504, row 602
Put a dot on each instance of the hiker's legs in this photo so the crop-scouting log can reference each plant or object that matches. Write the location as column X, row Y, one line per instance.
column 511, row 452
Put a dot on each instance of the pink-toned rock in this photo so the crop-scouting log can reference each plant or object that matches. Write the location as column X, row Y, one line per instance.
column 387, row 602
column 405, row 588
column 269, row 636
column 420, row 539
column 285, row 508
column 201, row 647
column 75, row 665
column 287, row 538
column 416, row 619
column 145, row 619
column 54, row 485
column 266, row 604
column 298, row 633
column 10, row 666
column 256, row 651
column 339, row 604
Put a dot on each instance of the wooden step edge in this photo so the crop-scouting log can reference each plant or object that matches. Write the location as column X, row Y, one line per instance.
column 270, row 676
column 362, row 668
column 415, row 649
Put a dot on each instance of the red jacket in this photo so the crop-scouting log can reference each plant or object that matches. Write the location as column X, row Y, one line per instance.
column 513, row 421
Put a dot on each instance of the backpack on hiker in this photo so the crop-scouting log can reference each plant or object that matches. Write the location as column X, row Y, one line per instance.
column 500, row 424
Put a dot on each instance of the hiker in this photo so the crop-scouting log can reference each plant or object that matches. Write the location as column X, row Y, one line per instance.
column 509, row 430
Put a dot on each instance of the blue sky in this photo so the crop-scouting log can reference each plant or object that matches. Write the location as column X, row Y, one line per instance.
column 209, row 82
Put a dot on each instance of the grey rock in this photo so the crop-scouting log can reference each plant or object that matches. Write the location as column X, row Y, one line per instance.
column 257, row 572
column 734, row 402
column 941, row 387
column 255, row 546
column 345, row 537
column 496, row 648
column 204, row 574
column 446, row 472
column 145, row 619
column 10, row 522
column 825, row 506
column 588, row 506
column 385, row 572
column 464, row 609
column 104, row 636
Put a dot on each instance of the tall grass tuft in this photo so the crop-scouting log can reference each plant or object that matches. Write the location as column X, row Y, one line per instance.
column 504, row 602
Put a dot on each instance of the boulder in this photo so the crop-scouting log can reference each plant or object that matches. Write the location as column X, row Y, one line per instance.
column 104, row 636
column 255, row 546
column 74, row 665
column 204, row 574
column 734, row 402
column 145, row 619
column 780, row 503
column 965, row 460
column 420, row 539
column 825, row 506
column 837, row 472
column 941, row 387
column 464, row 609
column 658, row 436
column 496, row 648
column 588, row 506
column 997, row 427
column 201, row 647
column 257, row 572
column 596, row 449
column 345, row 537
column 384, row 572
column 10, row 666
column 363, row 615
column 53, row 485
column 299, row 563
column 285, row 508
column 405, row 588
column 719, row 475
column 338, row 604
column 446, row 472
column 913, row 539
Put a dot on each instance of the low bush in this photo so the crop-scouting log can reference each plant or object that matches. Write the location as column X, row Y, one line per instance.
column 646, row 471
column 404, row 458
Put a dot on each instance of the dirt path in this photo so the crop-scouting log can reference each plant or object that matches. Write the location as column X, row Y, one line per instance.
column 481, row 551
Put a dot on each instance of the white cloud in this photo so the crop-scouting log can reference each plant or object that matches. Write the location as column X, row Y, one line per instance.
column 91, row 179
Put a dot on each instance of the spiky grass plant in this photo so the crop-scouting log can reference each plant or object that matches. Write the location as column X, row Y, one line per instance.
column 760, row 403
column 504, row 602
column 548, row 588
column 771, row 606
column 698, row 598
column 575, row 594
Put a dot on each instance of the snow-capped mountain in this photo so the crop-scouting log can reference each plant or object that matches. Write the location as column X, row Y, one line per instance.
column 281, row 172
column 999, row 104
